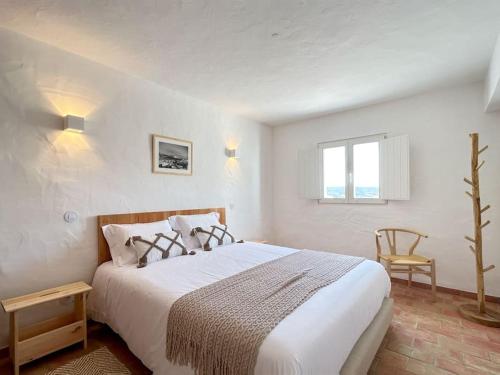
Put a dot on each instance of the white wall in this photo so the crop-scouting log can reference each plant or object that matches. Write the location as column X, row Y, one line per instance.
column 438, row 124
column 45, row 171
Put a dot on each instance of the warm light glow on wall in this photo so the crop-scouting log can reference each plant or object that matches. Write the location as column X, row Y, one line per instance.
column 232, row 168
column 69, row 151
column 71, row 142
column 232, row 143
column 66, row 148
column 70, row 103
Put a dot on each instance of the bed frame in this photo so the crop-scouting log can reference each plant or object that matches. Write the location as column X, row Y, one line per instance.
column 363, row 353
column 104, row 255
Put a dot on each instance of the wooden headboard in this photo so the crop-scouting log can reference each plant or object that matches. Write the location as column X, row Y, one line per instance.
column 104, row 255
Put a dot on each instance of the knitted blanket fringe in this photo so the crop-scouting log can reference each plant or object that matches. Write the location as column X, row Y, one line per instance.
column 218, row 329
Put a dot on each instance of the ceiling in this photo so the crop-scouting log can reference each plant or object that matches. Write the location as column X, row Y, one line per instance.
column 274, row 61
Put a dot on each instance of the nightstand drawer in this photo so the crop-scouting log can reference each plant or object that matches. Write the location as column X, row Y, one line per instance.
column 48, row 342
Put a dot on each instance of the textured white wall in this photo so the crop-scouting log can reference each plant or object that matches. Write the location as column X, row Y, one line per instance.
column 438, row 124
column 108, row 168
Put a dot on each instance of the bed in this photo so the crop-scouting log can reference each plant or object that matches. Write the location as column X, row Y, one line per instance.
column 338, row 330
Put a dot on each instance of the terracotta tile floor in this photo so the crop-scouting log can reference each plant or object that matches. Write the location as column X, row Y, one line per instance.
column 428, row 337
column 425, row 338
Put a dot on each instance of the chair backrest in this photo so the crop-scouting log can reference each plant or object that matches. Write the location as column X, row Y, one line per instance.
column 391, row 235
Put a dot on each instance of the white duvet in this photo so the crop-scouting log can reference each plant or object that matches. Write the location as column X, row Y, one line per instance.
column 315, row 339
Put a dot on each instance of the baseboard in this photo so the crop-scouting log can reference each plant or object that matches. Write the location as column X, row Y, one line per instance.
column 443, row 289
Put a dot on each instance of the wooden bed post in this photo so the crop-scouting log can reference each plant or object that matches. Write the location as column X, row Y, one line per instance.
column 480, row 313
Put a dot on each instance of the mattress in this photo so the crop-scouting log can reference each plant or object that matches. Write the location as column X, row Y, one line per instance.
column 315, row 339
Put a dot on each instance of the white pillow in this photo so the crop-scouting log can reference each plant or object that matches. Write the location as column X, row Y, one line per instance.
column 186, row 223
column 118, row 234
column 157, row 247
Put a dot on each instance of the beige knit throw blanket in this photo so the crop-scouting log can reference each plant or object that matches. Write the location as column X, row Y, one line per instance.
column 218, row 329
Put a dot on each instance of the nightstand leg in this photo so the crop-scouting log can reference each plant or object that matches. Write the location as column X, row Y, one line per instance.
column 81, row 314
column 14, row 339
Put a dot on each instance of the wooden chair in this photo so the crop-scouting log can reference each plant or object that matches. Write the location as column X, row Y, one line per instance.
column 410, row 263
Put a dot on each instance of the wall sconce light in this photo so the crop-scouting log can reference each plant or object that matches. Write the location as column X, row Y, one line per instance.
column 232, row 153
column 74, row 124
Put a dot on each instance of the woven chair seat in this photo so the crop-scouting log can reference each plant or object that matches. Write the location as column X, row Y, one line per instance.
column 406, row 259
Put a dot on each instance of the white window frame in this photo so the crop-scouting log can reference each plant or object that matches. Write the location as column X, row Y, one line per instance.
column 349, row 178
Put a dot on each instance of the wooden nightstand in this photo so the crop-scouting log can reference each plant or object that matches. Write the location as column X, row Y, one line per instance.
column 34, row 341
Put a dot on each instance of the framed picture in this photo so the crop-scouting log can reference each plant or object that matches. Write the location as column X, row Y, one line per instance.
column 172, row 156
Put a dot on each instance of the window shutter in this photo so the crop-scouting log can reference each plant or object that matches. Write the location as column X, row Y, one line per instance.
column 395, row 168
column 309, row 182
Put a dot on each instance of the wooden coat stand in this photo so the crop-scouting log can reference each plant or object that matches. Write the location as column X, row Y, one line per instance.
column 478, row 313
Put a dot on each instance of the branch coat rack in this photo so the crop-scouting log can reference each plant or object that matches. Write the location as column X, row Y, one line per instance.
column 478, row 313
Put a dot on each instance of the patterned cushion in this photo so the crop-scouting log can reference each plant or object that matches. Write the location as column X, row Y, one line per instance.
column 154, row 248
column 186, row 223
column 117, row 235
column 213, row 236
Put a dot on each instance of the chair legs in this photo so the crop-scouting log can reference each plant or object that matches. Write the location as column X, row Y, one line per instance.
column 418, row 270
column 410, row 275
column 388, row 268
column 433, row 278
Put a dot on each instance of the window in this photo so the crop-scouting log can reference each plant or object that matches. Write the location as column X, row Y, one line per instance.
column 334, row 177
column 371, row 169
column 365, row 170
column 350, row 170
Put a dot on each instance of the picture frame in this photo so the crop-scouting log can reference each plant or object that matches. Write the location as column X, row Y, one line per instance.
column 172, row 156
